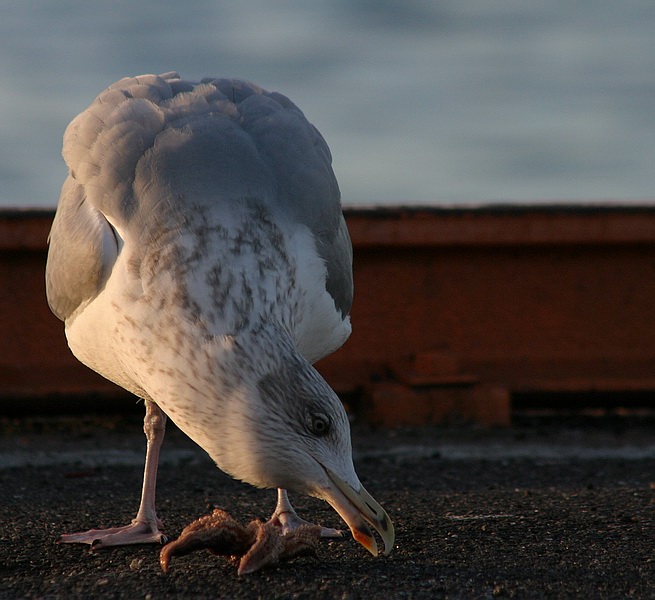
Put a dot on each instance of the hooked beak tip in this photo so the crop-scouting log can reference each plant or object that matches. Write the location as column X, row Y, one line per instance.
column 366, row 539
column 359, row 509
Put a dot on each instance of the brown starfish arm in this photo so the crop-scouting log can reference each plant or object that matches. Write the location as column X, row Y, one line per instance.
column 267, row 549
column 219, row 533
column 270, row 547
column 302, row 541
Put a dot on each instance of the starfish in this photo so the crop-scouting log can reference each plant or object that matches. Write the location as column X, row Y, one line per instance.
column 251, row 547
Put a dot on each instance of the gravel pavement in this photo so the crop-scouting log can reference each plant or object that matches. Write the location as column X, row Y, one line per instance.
column 535, row 511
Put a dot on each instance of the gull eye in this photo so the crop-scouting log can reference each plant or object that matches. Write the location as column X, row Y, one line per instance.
column 319, row 424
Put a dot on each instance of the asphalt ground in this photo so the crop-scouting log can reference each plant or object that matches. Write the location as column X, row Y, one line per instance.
column 540, row 510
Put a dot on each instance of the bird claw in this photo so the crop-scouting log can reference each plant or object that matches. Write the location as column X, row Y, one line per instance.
column 137, row 532
column 288, row 522
column 286, row 518
column 252, row 547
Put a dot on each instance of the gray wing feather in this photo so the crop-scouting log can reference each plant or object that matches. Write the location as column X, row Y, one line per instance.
column 124, row 158
column 306, row 183
column 336, row 251
column 82, row 250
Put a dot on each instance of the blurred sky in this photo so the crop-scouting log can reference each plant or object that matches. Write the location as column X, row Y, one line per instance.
column 421, row 102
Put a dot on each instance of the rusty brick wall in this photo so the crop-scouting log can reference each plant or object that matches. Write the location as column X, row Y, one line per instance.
column 455, row 310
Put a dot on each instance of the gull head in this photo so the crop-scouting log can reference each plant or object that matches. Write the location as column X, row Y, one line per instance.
column 286, row 428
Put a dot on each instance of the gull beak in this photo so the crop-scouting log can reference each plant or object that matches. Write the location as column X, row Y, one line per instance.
column 359, row 510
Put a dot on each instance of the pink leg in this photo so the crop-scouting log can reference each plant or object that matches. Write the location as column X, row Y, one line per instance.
column 144, row 528
column 286, row 517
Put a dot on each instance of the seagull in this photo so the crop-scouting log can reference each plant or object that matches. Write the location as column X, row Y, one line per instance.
column 199, row 258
